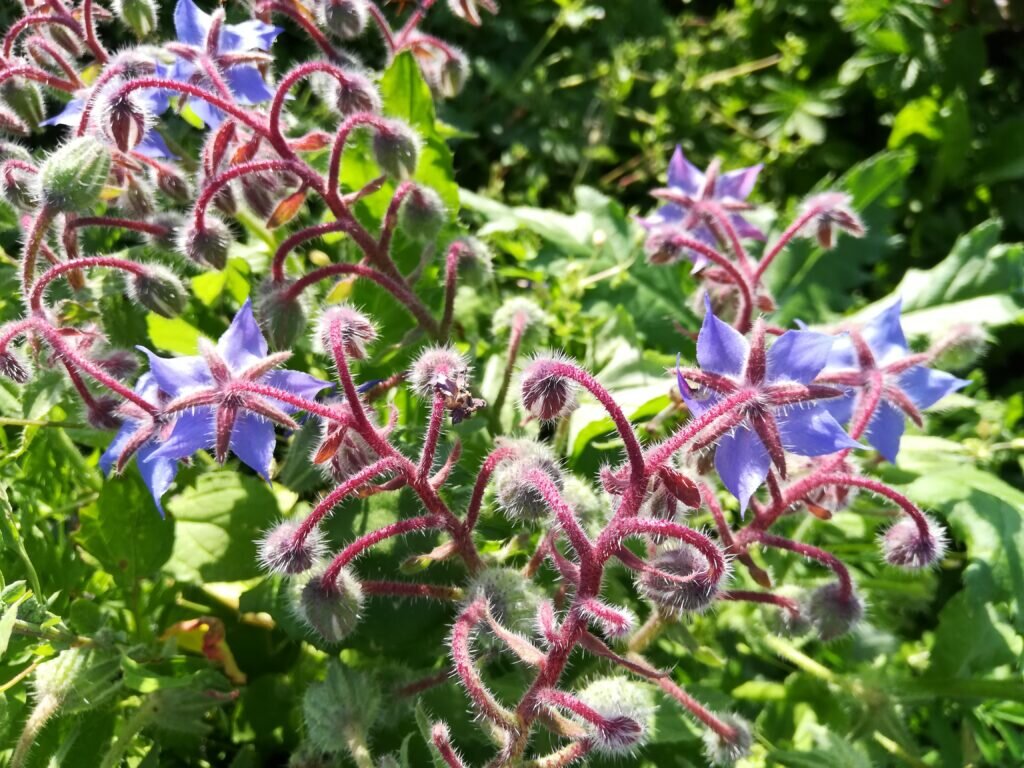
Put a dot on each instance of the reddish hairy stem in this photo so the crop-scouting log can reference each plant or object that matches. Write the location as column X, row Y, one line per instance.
column 763, row 598
column 746, row 309
column 808, row 550
column 307, row 25
column 698, row 710
column 411, row 589
column 433, row 435
column 36, row 295
column 515, row 339
column 297, row 238
column 331, row 500
column 363, row 543
column 566, row 519
column 791, row 231
column 482, row 478
column 189, row 89
column 461, row 638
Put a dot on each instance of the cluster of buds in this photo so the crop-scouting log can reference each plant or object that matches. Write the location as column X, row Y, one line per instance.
column 757, row 397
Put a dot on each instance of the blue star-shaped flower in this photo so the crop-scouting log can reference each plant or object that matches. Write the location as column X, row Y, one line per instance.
column 877, row 356
column 219, row 410
column 194, row 27
column 693, row 188
column 139, row 436
column 778, row 412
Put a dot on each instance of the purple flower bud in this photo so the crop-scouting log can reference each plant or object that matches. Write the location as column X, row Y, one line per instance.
column 137, row 15
column 345, row 18
column 905, row 545
column 102, row 412
column 439, row 369
column 282, row 552
column 832, row 612
column 545, row 393
column 261, row 192
column 357, row 94
column 726, row 750
column 627, row 711
column 11, row 368
column 119, row 363
column 136, row 198
column 831, row 211
column 342, row 452
column 174, row 185
column 207, row 244
column 396, row 149
column 422, row 214
column 125, row 119
column 73, row 177
column 331, row 610
column 661, row 248
column 680, row 580
column 356, row 329
column 519, row 498
column 172, row 224
column 159, row 290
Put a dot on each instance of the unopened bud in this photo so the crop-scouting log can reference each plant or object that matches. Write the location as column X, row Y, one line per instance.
column 102, row 412
column 545, row 393
column 725, row 749
column 174, row 185
column 520, row 312
column 159, row 290
column 282, row 316
column 832, row 211
column 517, row 494
column 331, row 610
column 72, row 178
column 833, row 611
column 960, row 348
column 422, row 214
column 627, row 708
column 170, row 224
column 396, row 149
column 661, row 247
column 206, row 244
column 136, row 199
column 905, row 545
column 11, row 124
column 439, row 369
column 680, row 580
column 138, row 15
column 355, row 328
column 283, row 552
column 125, row 119
column 513, row 598
column 119, row 363
column 345, row 18
column 476, row 262
column 357, row 94
column 25, row 100
column 453, row 74
column 12, row 368
column 18, row 188
column 469, row 10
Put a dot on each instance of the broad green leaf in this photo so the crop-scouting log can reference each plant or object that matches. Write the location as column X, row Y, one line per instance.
column 173, row 334
column 991, row 642
column 217, row 523
column 124, row 531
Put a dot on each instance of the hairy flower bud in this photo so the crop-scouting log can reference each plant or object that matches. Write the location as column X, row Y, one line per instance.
column 119, row 363
column 396, row 149
column 283, row 317
column 342, row 452
column 905, row 545
column 207, row 243
column 422, row 214
column 171, row 224
column 138, row 15
column 12, row 368
column 10, row 123
column 125, row 118
column 281, row 551
column 832, row 612
column 356, row 329
column 331, row 610
column 72, row 178
column 680, row 580
column 345, row 18
column 174, row 185
column 159, row 290
column 546, row 394
column 25, row 100
column 960, row 348
column 517, row 495
column 453, row 73
column 18, row 188
column 519, row 310
column 627, row 708
column 357, row 94
column 469, row 10
column 439, row 369
column 727, row 749
column 831, row 211
column 513, row 598
column 102, row 412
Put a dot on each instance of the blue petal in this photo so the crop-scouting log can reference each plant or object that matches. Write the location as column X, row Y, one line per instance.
column 925, row 386
column 885, row 430
column 193, row 431
column 116, row 447
column 884, row 335
column 745, row 229
column 153, row 145
column 841, row 408
column 247, row 85
column 157, row 474
column 190, row 23
column 683, row 175
column 175, row 375
column 721, row 348
column 242, row 343
column 841, row 357
column 70, row 115
column 742, row 462
column 210, row 116
column 247, row 36
column 812, row 431
column 296, row 382
column 798, row 356
column 252, row 441
column 738, row 184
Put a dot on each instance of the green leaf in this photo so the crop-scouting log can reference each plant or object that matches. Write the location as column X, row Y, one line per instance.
column 10, row 615
column 123, row 530
column 980, row 281
column 173, row 334
column 423, row 723
column 217, row 523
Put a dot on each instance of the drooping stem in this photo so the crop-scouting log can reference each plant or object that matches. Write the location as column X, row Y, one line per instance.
column 515, row 339
column 437, row 410
column 363, row 543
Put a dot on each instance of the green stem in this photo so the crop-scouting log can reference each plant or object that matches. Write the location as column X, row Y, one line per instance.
column 9, row 422
column 358, row 748
column 12, row 534
column 127, row 733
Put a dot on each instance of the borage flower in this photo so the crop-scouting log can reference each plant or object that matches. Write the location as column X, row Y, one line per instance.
column 214, row 395
column 140, row 435
column 234, row 49
column 691, row 193
column 876, row 361
column 774, row 401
